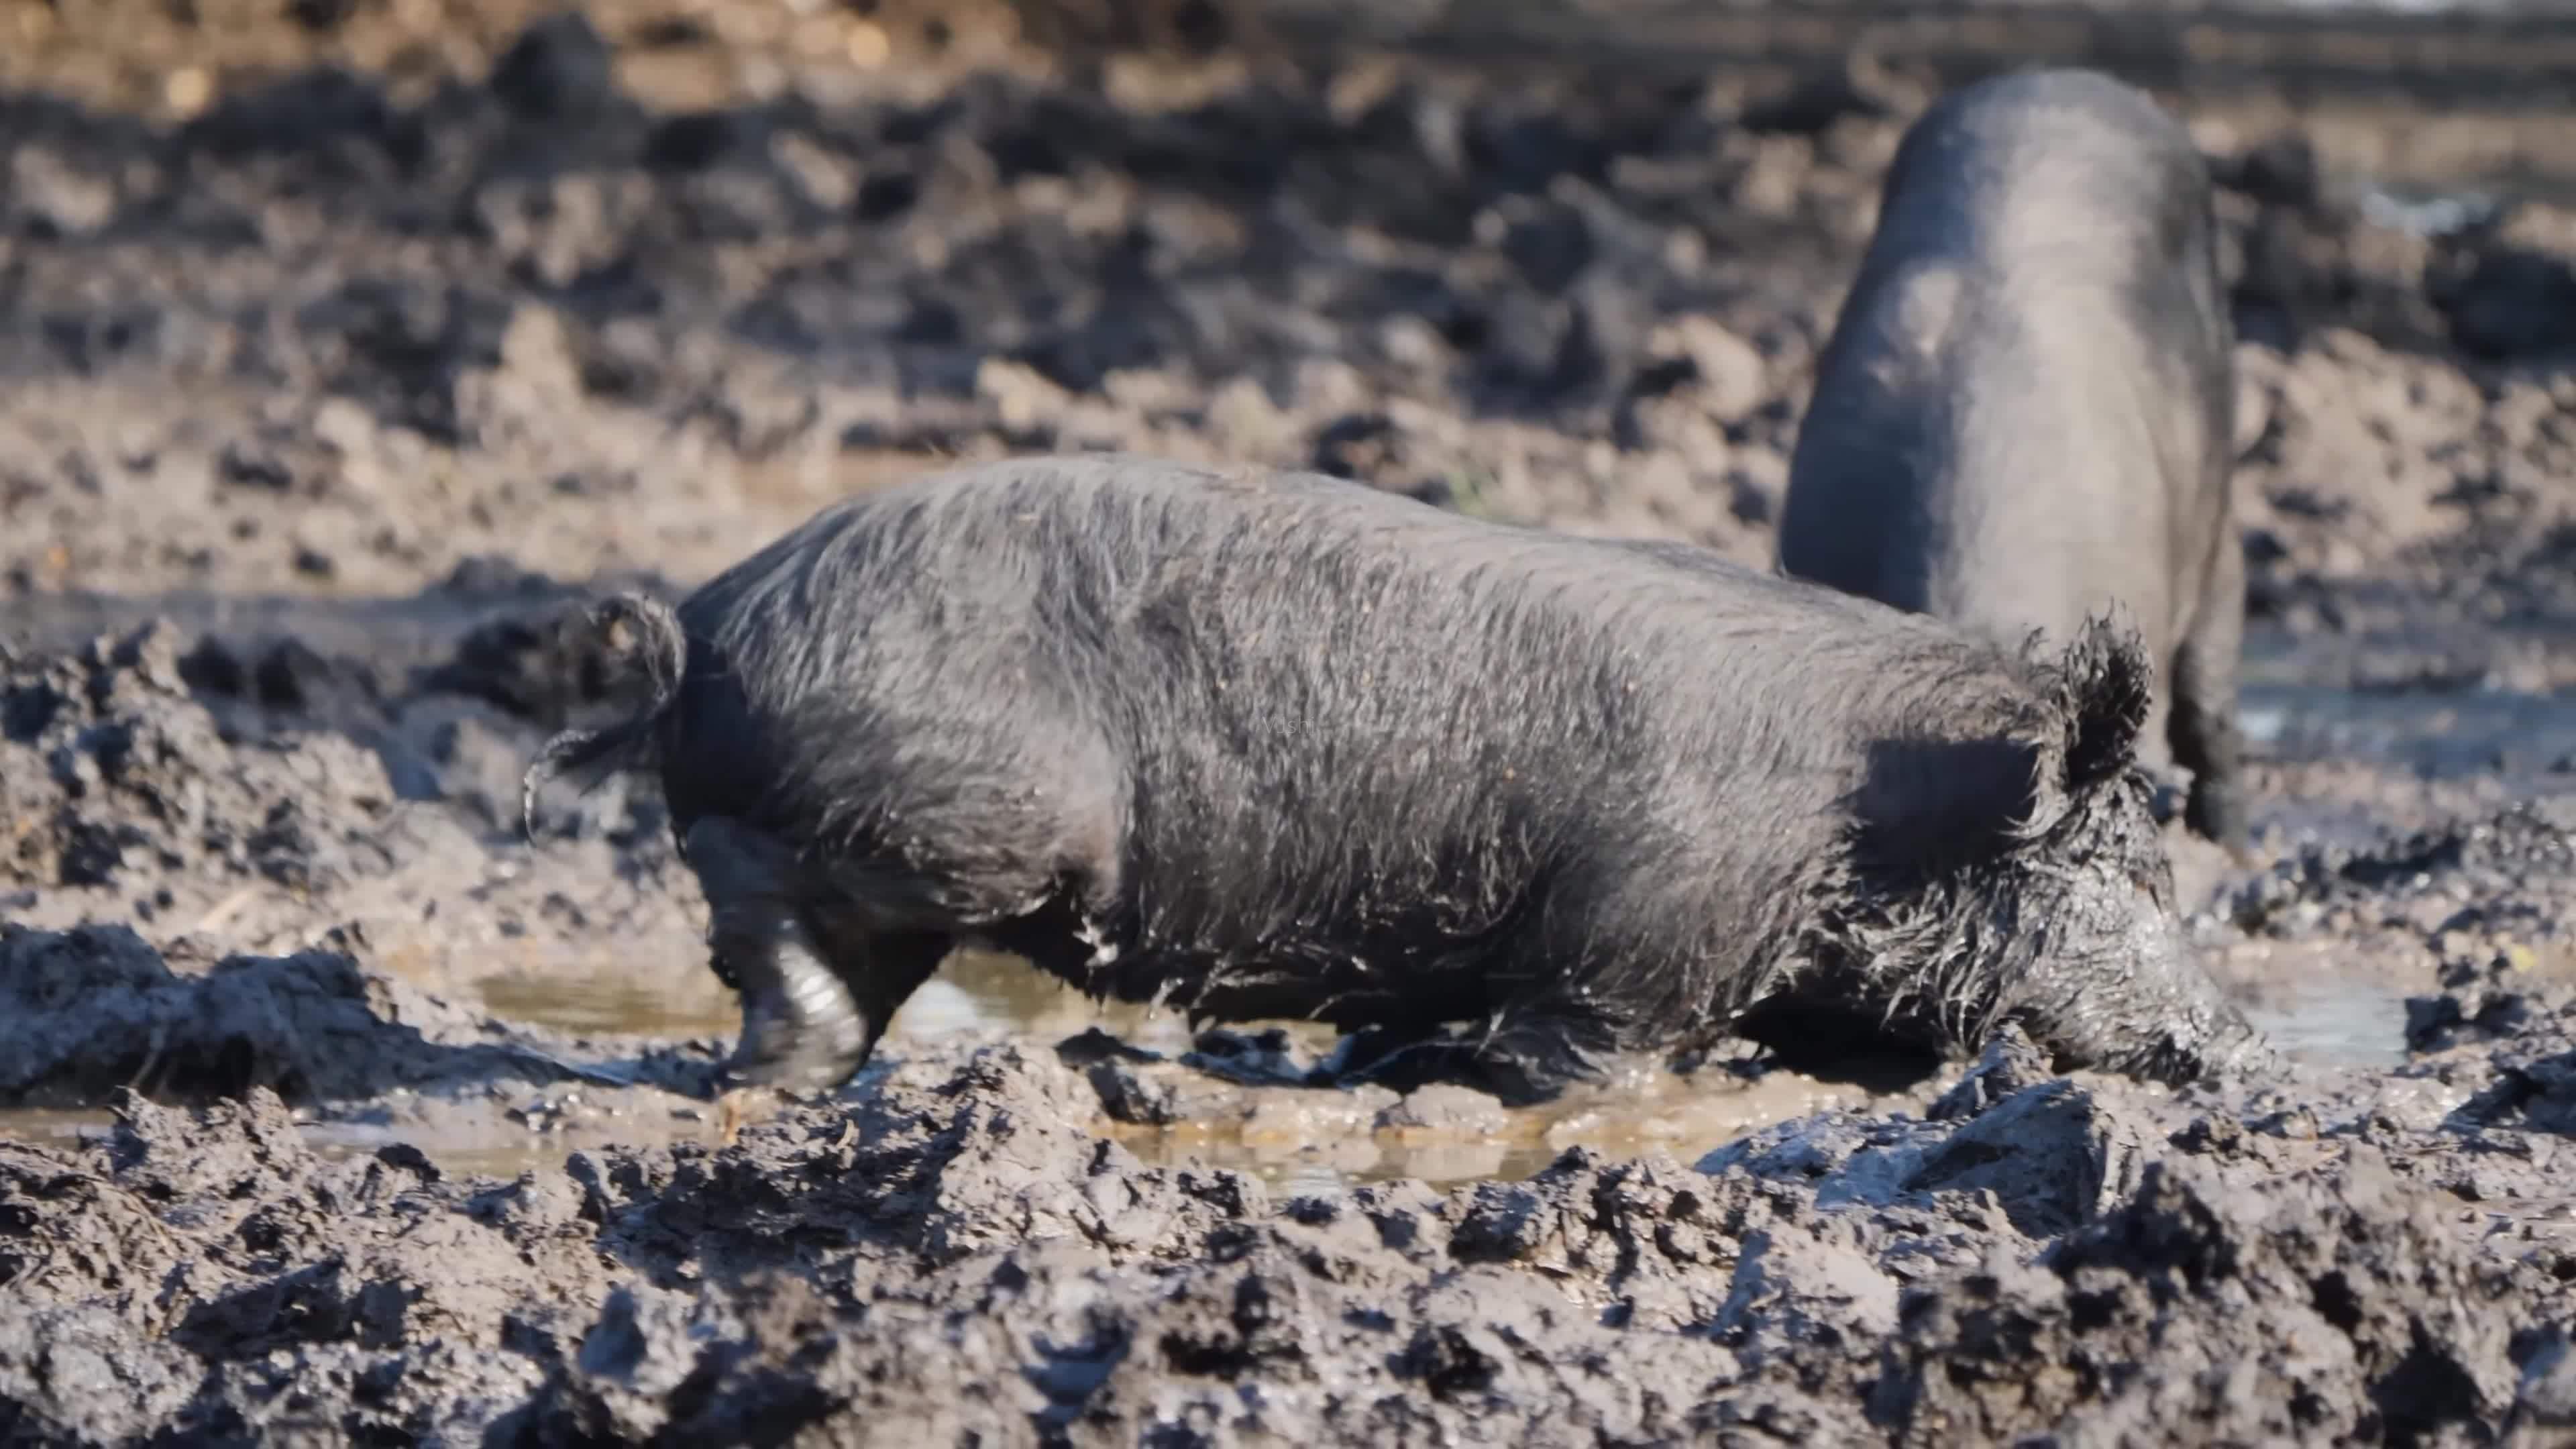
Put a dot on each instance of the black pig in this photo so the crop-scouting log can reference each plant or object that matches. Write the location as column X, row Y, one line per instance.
column 2026, row 413
column 1277, row 745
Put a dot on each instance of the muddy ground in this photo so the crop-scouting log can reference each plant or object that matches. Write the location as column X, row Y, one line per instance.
column 341, row 344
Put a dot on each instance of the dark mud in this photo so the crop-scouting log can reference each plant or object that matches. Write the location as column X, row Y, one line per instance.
column 953, row 1257
column 342, row 345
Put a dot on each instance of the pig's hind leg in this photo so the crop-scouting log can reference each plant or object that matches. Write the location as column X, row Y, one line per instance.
column 814, row 998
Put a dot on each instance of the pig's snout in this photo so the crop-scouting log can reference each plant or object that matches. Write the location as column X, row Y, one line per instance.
column 2239, row 1048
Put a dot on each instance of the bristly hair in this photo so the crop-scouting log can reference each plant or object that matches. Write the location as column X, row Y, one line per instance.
column 1959, row 938
column 2107, row 688
column 644, row 633
column 1952, row 902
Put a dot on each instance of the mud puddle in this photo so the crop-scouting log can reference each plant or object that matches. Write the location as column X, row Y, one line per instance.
column 1303, row 1140
column 1299, row 1139
column 2434, row 734
column 974, row 994
column 1323, row 1142
column 382, row 629
column 469, row 1148
column 2315, row 1006
column 2418, row 699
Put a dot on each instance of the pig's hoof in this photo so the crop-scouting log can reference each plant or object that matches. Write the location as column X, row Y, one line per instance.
column 806, row 1035
column 2217, row 813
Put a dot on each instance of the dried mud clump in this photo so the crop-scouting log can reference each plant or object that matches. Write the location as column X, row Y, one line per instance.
column 2330, row 1307
column 950, row 1254
column 110, row 769
column 89, row 1011
column 247, row 792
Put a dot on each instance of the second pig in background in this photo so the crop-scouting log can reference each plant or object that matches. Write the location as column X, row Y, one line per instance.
column 2025, row 416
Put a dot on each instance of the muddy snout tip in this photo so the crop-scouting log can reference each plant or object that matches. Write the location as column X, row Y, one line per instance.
column 2241, row 1050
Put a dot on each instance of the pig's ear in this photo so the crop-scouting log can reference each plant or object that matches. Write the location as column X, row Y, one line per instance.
column 2108, row 684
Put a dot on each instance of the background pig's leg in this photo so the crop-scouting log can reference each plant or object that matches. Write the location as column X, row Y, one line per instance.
column 2202, row 726
column 802, row 1030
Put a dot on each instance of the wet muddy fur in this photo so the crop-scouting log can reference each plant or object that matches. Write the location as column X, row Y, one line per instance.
column 1276, row 745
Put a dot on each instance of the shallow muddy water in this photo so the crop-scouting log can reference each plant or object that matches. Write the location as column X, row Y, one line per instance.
column 2316, row 1012
column 2352, row 698
column 1298, row 1140
column 2450, row 733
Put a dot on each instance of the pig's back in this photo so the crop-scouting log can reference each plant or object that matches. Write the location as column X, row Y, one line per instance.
column 1290, row 714
column 2021, row 419
column 1307, row 651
